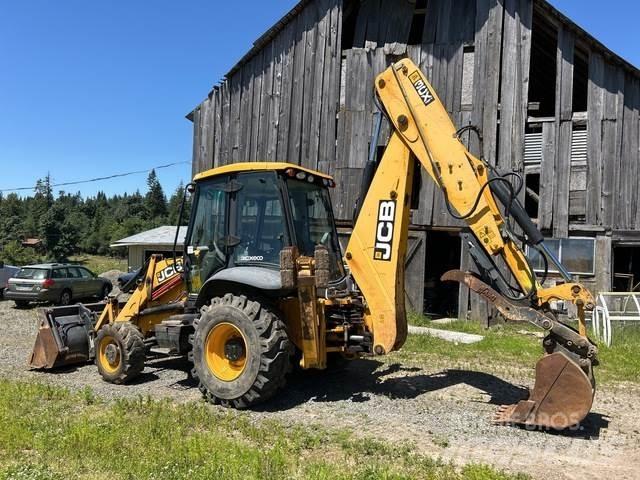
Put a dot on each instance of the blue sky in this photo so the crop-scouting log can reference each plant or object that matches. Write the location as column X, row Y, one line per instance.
column 93, row 88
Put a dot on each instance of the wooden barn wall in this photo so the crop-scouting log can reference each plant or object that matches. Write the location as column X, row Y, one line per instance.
column 613, row 149
column 277, row 106
column 494, row 38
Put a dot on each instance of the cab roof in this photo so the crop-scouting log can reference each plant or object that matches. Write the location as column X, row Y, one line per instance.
column 256, row 166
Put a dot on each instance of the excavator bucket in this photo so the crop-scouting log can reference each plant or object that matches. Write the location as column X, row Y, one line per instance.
column 561, row 397
column 563, row 393
column 64, row 336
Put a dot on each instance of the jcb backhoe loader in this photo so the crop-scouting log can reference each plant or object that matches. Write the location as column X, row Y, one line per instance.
column 263, row 281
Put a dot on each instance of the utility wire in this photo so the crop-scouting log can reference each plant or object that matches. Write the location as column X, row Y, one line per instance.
column 97, row 179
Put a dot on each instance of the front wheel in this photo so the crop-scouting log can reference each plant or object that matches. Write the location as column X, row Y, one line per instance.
column 120, row 352
column 241, row 352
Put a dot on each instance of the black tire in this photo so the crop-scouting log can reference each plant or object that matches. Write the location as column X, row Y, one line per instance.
column 266, row 354
column 65, row 298
column 125, row 343
column 105, row 292
column 21, row 303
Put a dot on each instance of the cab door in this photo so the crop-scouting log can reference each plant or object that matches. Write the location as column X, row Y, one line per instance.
column 206, row 244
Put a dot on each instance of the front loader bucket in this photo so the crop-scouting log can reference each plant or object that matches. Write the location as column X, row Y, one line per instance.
column 562, row 396
column 64, row 336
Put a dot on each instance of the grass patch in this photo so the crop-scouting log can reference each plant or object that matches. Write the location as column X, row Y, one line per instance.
column 99, row 264
column 48, row 433
column 506, row 344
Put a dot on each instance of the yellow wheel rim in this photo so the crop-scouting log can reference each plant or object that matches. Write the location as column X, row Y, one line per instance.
column 109, row 354
column 225, row 351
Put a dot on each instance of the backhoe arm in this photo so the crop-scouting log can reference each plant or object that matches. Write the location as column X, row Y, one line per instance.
column 376, row 251
column 423, row 130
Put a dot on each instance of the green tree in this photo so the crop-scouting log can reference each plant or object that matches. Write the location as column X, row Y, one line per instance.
column 174, row 206
column 155, row 200
column 13, row 253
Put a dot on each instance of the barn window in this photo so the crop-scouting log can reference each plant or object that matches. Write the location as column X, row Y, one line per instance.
column 577, row 254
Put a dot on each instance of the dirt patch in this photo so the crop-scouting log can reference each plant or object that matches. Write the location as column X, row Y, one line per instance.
column 441, row 410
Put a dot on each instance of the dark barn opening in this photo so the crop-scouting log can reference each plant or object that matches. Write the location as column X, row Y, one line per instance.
column 542, row 75
column 626, row 268
column 443, row 254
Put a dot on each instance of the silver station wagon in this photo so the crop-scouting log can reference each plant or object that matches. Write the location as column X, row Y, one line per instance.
column 56, row 283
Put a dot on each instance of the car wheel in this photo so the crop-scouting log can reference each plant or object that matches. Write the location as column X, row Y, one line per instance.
column 21, row 304
column 65, row 298
column 105, row 292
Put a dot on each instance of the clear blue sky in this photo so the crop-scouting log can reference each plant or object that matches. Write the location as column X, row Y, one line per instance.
column 92, row 88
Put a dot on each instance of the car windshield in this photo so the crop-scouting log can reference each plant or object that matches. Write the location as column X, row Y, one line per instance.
column 313, row 222
column 32, row 273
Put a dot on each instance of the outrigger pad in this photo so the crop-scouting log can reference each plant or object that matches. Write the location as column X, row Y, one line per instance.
column 562, row 396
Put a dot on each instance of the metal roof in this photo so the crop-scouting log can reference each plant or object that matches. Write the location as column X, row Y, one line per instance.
column 163, row 236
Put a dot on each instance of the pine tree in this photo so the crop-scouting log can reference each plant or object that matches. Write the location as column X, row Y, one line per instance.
column 174, row 206
column 155, row 201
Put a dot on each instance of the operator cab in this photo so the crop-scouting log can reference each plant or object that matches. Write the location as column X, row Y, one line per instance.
column 244, row 214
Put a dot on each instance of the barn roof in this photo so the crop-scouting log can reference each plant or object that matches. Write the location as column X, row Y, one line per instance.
column 162, row 236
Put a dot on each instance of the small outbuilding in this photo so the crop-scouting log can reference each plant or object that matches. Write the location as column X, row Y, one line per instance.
column 144, row 244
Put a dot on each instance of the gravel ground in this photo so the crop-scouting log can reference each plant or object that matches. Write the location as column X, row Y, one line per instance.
column 440, row 410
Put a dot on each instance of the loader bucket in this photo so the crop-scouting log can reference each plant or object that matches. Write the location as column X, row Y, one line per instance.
column 561, row 397
column 64, row 336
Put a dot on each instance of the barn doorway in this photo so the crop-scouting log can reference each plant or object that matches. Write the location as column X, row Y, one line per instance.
column 442, row 255
column 626, row 268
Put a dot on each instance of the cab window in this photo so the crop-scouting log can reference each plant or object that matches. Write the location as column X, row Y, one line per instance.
column 261, row 225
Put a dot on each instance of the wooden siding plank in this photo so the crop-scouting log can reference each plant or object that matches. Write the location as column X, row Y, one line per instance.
column 463, row 290
column 415, row 262
column 195, row 155
column 626, row 201
column 595, row 115
column 547, row 176
column 255, row 114
column 330, row 90
column 516, row 48
column 611, row 140
column 235, row 88
column 304, row 33
column 318, row 71
column 313, row 28
column 286, row 92
column 564, row 128
column 225, row 136
column 210, row 133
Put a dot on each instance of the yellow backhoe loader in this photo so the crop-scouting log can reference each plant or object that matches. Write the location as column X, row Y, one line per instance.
column 263, row 282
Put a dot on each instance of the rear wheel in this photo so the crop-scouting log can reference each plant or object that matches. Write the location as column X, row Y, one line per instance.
column 105, row 292
column 120, row 352
column 240, row 352
column 65, row 298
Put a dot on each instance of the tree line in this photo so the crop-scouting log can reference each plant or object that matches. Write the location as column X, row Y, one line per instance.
column 69, row 224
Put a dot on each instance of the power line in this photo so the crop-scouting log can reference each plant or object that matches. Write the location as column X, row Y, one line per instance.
column 97, row 179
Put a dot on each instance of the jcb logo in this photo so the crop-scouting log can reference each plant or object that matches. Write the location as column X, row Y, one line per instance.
column 384, row 230
column 168, row 272
column 421, row 87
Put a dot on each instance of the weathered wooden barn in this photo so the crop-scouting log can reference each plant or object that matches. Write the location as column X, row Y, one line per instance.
column 553, row 104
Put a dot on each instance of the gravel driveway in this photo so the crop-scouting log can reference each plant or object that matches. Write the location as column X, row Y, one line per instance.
column 443, row 410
